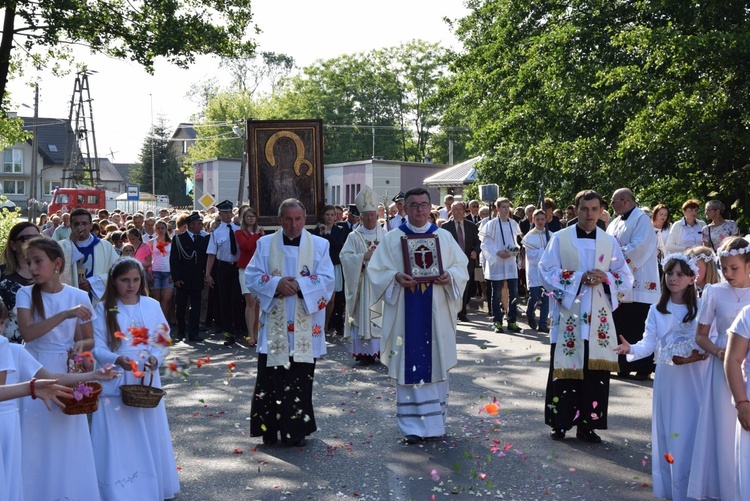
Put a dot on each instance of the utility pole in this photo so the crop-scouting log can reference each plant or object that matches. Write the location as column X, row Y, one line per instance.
column 153, row 169
column 34, row 157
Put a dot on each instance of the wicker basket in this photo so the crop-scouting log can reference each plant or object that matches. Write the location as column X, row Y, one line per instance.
column 86, row 405
column 140, row 395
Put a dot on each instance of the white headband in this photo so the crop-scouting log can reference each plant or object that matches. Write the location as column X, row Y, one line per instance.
column 734, row 252
column 681, row 257
column 709, row 258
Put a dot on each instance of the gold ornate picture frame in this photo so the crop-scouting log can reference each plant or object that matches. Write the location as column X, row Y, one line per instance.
column 285, row 160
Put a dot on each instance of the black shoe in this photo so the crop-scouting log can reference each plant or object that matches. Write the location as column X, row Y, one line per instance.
column 413, row 439
column 270, row 439
column 229, row 341
column 297, row 443
column 463, row 318
column 543, row 329
column 557, row 434
column 366, row 360
column 195, row 339
column 588, row 435
column 532, row 323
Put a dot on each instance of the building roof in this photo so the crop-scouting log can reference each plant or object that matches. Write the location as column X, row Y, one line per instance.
column 124, row 170
column 387, row 162
column 185, row 131
column 458, row 175
column 53, row 136
column 108, row 172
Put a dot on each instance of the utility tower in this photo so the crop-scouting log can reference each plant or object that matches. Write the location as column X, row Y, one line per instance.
column 81, row 167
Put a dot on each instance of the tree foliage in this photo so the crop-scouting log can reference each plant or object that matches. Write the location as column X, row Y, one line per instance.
column 170, row 180
column 381, row 103
column 249, row 73
column 141, row 31
column 216, row 139
column 571, row 95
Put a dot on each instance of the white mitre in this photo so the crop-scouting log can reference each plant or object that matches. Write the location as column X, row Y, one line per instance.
column 366, row 200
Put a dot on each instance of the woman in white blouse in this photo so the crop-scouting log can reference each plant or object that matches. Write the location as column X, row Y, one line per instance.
column 688, row 231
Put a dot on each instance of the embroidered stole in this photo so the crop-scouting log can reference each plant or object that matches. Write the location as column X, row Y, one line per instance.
column 602, row 334
column 301, row 329
column 418, row 326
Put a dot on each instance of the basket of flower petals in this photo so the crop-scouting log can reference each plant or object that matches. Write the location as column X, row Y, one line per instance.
column 84, row 400
column 140, row 395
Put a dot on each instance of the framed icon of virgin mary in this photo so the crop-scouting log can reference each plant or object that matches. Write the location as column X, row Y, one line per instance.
column 285, row 160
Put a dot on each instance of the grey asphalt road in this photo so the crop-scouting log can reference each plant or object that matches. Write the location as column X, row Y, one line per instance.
column 357, row 451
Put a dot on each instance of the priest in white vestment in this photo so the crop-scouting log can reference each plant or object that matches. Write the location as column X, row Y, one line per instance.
column 419, row 319
column 291, row 277
column 586, row 272
column 88, row 259
column 634, row 233
column 362, row 324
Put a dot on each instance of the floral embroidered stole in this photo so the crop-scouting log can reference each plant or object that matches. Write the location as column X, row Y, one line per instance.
column 602, row 334
column 301, row 329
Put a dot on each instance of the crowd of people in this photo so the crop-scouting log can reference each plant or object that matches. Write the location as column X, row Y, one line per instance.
column 628, row 294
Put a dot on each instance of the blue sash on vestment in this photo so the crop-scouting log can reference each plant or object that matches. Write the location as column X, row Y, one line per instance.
column 418, row 328
column 88, row 256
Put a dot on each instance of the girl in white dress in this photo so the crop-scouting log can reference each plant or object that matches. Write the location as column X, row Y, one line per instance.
column 49, row 314
column 713, row 466
column 678, row 383
column 132, row 445
column 22, row 376
column 738, row 352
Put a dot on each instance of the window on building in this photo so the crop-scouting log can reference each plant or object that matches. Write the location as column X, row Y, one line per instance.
column 52, row 148
column 14, row 187
column 13, row 161
column 49, row 187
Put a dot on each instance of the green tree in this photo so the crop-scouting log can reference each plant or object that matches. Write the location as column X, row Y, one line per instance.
column 170, row 180
column 140, row 31
column 380, row 103
column 571, row 95
column 216, row 139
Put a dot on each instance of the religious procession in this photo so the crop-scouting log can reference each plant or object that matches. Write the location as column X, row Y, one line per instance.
column 633, row 295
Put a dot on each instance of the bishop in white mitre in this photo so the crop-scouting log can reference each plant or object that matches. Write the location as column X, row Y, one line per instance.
column 362, row 324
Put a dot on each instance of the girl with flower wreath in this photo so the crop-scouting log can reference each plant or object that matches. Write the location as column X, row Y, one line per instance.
column 708, row 272
column 132, row 445
column 50, row 314
column 713, row 462
column 678, row 382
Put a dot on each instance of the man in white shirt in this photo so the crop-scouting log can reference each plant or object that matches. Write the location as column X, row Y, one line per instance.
column 635, row 234
column 223, row 252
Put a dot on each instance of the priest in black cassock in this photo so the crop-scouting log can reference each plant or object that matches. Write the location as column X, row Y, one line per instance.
column 291, row 277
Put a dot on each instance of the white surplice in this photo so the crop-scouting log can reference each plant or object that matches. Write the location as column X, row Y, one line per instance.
column 263, row 285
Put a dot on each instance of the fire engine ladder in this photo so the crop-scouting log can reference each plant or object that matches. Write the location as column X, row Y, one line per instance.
column 81, row 168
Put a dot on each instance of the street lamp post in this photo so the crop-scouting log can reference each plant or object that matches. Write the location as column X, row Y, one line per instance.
column 243, row 163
